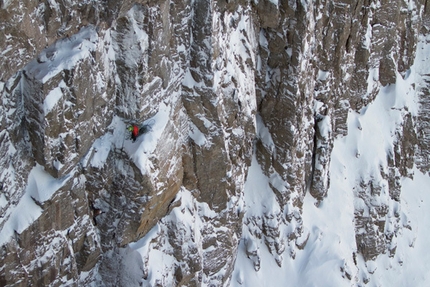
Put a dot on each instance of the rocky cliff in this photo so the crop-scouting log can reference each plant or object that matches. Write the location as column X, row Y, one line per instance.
column 256, row 113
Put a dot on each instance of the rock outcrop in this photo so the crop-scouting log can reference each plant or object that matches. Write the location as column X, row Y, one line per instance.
column 219, row 86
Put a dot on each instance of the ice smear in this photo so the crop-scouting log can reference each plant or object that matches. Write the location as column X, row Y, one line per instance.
column 41, row 187
column 135, row 38
column 6, row 4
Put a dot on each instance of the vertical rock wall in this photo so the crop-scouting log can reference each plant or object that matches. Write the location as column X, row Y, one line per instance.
column 219, row 83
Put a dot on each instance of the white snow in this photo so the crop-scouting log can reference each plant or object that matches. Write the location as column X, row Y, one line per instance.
column 41, row 187
column 6, row 4
column 3, row 200
column 63, row 55
column 157, row 259
column 368, row 37
column 257, row 200
column 196, row 135
column 329, row 228
column 102, row 147
column 264, row 134
column 327, row 257
column 52, row 98
column 189, row 81
column 139, row 151
column 323, row 75
column 330, row 254
column 325, row 126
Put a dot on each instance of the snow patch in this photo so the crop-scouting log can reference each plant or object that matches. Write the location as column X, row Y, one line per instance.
column 52, row 98
column 101, row 148
column 323, row 75
column 140, row 151
column 65, row 54
column 41, row 187
column 196, row 135
column 259, row 197
column 5, row 4
column 264, row 134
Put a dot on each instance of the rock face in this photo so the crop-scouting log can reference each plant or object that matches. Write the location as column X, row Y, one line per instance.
column 219, row 86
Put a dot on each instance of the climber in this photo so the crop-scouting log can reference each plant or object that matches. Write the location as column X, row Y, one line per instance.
column 134, row 132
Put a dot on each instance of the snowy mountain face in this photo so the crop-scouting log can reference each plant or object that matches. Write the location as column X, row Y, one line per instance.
column 284, row 143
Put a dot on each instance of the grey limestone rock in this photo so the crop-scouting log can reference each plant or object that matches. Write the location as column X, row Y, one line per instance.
column 234, row 79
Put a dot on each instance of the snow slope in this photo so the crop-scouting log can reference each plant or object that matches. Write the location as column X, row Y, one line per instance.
column 118, row 137
column 327, row 250
column 63, row 55
column 329, row 257
column 41, row 187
